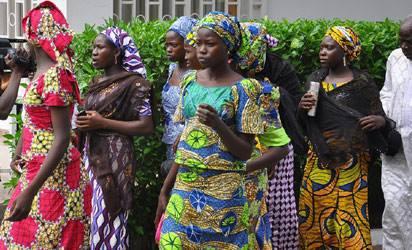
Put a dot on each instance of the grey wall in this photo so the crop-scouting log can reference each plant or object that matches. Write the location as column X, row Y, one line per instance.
column 373, row 10
column 80, row 12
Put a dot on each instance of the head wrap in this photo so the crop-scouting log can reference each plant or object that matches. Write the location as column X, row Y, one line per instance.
column 183, row 25
column 225, row 26
column 46, row 26
column 347, row 39
column 131, row 60
column 190, row 38
column 255, row 42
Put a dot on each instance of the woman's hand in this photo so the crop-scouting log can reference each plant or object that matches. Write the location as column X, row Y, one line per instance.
column 21, row 206
column 372, row 122
column 91, row 121
column 208, row 115
column 15, row 165
column 161, row 207
column 307, row 102
column 176, row 143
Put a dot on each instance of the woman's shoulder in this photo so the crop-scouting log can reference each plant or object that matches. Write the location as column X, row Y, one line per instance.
column 250, row 86
column 318, row 75
column 362, row 77
column 139, row 80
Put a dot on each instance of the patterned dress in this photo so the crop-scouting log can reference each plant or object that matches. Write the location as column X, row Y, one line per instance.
column 281, row 203
column 170, row 99
column 111, row 232
column 257, row 182
column 207, row 207
column 60, row 212
column 333, row 203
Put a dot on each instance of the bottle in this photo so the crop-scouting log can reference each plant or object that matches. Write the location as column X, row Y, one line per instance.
column 314, row 89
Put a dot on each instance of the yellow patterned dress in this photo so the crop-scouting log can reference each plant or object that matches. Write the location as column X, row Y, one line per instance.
column 207, row 208
column 333, row 203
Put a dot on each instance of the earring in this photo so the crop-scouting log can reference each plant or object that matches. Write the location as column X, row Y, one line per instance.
column 115, row 59
column 344, row 61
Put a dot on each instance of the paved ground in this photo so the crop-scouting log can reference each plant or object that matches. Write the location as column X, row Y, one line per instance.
column 4, row 167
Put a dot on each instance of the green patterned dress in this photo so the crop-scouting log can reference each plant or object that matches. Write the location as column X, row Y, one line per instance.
column 208, row 207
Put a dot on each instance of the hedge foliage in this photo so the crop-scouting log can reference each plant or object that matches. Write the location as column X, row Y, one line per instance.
column 299, row 43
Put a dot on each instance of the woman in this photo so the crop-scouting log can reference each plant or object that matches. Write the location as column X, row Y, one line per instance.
column 175, row 48
column 190, row 49
column 50, row 207
column 333, row 204
column 280, row 198
column 219, row 107
column 117, row 108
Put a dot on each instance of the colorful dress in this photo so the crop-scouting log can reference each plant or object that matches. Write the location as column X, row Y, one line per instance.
column 257, row 182
column 60, row 212
column 170, row 100
column 207, row 204
column 333, row 202
column 123, row 97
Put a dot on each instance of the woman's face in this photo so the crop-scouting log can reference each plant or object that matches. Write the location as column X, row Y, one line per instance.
column 210, row 49
column 330, row 54
column 104, row 53
column 175, row 49
column 191, row 57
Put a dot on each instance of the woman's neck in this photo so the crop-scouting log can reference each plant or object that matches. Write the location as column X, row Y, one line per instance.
column 181, row 66
column 43, row 61
column 216, row 73
column 339, row 74
column 339, row 71
column 112, row 70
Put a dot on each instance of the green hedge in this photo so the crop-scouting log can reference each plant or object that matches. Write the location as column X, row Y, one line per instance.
column 299, row 43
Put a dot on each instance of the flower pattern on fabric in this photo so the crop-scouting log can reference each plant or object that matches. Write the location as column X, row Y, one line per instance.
column 207, row 209
column 60, row 212
column 200, row 145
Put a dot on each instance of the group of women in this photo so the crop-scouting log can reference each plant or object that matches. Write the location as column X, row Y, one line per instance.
column 232, row 113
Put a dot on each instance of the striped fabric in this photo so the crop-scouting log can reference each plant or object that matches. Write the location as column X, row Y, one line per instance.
column 106, row 233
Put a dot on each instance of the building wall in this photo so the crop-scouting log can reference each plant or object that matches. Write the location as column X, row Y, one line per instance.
column 81, row 12
column 373, row 10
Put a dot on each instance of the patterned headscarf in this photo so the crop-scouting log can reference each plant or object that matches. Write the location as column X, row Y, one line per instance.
column 255, row 42
column 347, row 39
column 46, row 26
column 225, row 26
column 131, row 60
column 183, row 25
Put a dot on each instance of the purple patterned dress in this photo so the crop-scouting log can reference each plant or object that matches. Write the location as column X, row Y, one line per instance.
column 107, row 232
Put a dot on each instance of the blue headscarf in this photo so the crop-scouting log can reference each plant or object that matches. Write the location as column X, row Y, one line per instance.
column 183, row 26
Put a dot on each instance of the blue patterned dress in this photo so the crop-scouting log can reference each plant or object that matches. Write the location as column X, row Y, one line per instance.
column 208, row 206
column 170, row 99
